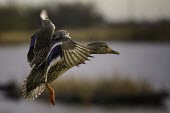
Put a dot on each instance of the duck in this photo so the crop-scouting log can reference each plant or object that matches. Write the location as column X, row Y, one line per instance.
column 64, row 53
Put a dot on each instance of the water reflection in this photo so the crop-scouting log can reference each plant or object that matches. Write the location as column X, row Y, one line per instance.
column 38, row 107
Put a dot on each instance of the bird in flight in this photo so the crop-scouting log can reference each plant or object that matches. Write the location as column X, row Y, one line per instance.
column 53, row 53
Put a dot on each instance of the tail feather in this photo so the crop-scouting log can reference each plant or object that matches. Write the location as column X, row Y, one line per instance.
column 34, row 93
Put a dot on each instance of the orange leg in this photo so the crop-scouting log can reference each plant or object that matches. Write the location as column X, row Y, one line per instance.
column 51, row 94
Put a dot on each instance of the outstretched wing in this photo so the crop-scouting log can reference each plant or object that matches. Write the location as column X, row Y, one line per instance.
column 74, row 53
column 41, row 48
column 30, row 54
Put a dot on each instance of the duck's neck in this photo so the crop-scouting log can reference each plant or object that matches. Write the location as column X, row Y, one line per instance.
column 96, row 50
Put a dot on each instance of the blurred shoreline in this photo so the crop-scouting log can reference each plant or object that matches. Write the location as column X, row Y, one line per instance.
column 82, row 21
column 132, row 32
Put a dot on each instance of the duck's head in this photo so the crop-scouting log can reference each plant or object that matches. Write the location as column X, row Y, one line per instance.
column 101, row 48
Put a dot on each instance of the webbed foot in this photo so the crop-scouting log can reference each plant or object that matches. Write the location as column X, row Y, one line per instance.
column 51, row 94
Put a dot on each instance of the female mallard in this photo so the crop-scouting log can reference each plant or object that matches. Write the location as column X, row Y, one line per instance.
column 64, row 54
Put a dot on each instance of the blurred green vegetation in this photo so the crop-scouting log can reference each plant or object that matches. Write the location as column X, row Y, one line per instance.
column 86, row 90
column 82, row 21
column 111, row 86
column 63, row 16
column 113, row 91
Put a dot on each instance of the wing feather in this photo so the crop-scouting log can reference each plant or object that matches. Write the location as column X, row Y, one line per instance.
column 78, row 58
column 71, row 56
column 66, row 55
column 82, row 47
column 68, row 59
column 85, row 53
column 82, row 56
column 74, row 53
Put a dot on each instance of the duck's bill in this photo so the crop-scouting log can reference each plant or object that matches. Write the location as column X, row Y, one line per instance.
column 110, row 51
